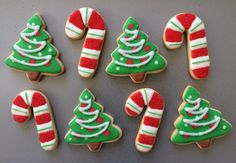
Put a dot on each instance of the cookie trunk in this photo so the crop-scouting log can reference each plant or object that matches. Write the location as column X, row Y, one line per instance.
column 33, row 76
column 94, row 147
column 138, row 77
column 204, row 144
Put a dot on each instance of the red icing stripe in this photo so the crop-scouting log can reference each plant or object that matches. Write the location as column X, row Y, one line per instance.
column 201, row 72
column 130, row 112
column 138, row 99
column 46, row 136
column 20, row 118
column 19, row 101
column 146, row 139
column 173, row 36
column 96, row 21
column 38, row 100
column 199, row 52
column 76, row 19
column 156, row 102
column 43, row 118
column 154, row 122
column 88, row 63
column 186, row 19
column 197, row 35
column 94, row 44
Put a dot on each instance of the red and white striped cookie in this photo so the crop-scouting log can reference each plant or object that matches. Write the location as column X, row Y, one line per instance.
column 154, row 104
column 75, row 28
column 199, row 62
column 21, row 112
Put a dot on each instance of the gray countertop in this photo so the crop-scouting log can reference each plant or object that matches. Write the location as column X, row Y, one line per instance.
column 19, row 143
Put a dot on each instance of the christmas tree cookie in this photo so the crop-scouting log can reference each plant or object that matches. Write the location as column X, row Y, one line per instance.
column 198, row 122
column 90, row 126
column 34, row 53
column 135, row 55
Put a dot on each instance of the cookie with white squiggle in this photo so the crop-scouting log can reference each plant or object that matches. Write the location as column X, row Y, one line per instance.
column 198, row 123
column 135, row 56
column 34, row 52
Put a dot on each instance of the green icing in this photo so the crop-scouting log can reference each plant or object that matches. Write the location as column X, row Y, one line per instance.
column 155, row 63
column 111, row 132
column 213, row 129
column 53, row 66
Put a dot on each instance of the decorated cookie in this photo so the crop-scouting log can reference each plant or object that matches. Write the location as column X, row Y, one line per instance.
column 76, row 26
column 21, row 111
column 154, row 104
column 34, row 53
column 198, row 122
column 199, row 62
column 90, row 125
column 135, row 55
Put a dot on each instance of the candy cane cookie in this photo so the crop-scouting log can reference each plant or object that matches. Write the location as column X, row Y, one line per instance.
column 199, row 62
column 75, row 28
column 154, row 104
column 21, row 111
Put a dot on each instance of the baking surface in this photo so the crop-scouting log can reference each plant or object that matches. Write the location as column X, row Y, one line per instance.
column 19, row 142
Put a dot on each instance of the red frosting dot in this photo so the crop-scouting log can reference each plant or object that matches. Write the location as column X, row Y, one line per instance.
column 206, row 116
column 138, row 37
column 99, row 120
column 92, row 110
column 127, row 36
column 143, row 60
column 83, row 105
column 129, row 61
column 186, row 136
column 147, row 48
column 107, row 133
column 22, row 55
column 130, row 26
column 48, row 64
column 38, row 33
column 211, row 125
column 38, row 45
column 194, row 127
column 90, row 130
column 190, row 114
column 77, row 135
column 134, row 48
column 32, row 61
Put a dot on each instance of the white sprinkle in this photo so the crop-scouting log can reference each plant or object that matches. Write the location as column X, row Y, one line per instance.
column 40, row 54
column 50, row 50
column 121, row 59
column 33, row 23
column 215, row 116
column 156, row 62
column 81, row 128
column 85, row 138
column 186, row 125
column 224, row 127
column 190, row 97
column 30, row 47
column 117, row 68
column 34, row 39
column 86, row 97
column 70, row 138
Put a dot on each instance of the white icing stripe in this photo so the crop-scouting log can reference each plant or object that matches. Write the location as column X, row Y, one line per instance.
column 154, row 113
column 85, row 14
column 196, row 25
column 200, row 65
column 49, row 144
column 175, row 25
column 173, row 45
column 97, row 32
column 44, row 126
column 195, row 44
column 72, row 31
column 133, row 106
column 90, row 53
column 41, row 108
column 200, row 59
column 19, row 112
column 85, row 72
column 143, row 147
column 149, row 130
